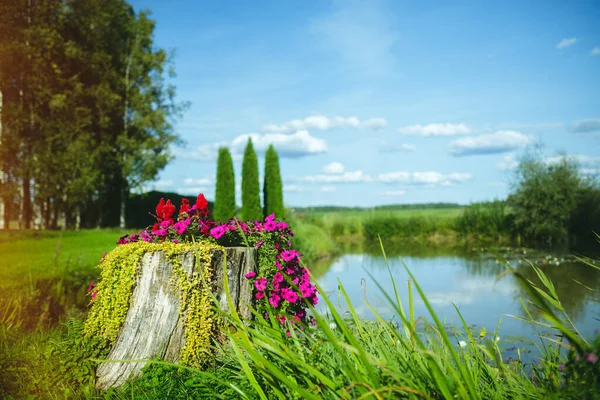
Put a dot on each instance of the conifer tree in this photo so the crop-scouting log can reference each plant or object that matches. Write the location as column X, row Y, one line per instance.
column 251, row 209
column 225, row 191
column 273, row 189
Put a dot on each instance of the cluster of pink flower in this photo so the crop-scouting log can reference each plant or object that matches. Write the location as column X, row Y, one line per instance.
column 281, row 283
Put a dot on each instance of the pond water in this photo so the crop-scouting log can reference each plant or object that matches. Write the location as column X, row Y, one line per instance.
column 470, row 283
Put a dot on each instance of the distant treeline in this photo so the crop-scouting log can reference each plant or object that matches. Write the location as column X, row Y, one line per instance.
column 390, row 207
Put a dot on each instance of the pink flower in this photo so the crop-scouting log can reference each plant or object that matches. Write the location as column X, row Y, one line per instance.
column 274, row 300
column 289, row 295
column 289, row 255
column 270, row 226
column 165, row 224
column 277, row 277
column 278, row 265
column 270, row 218
column 181, row 226
column 250, row 274
column 260, row 284
column 314, row 300
column 94, row 295
column 306, row 289
column 282, row 225
column 259, row 243
column 91, row 285
column 592, row 358
column 102, row 259
column 160, row 232
column 175, row 241
column 217, row 232
column 281, row 319
column 260, row 295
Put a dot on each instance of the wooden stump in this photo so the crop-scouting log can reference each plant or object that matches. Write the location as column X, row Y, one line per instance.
column 153, row 327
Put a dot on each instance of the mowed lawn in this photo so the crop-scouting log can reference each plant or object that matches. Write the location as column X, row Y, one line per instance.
column 26, row 256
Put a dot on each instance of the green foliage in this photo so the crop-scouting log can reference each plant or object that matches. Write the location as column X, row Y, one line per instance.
column 548, row 196
column 225, row 191
column 399, row 228
column 273, row 188
column 114, row 291
column 487, row 219
column 251, row 209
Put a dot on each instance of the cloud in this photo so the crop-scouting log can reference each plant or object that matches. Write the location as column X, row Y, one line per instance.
column 323, row 123
column 333, row 168
column 587, row 125
column 361, row 35
column 386, row 147
column 508, row 163
column 428, row 178
column 435, row 130
column 493, row 143
column 198, row 182
column 293, row 188
column 595, row 51
column 346, row 177
column 295, row 145
column 566, row 43
column 393, row 193
column 584, row 161
column 327, row 188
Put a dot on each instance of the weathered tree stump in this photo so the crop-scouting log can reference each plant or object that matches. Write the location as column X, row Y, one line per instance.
column 154, row 326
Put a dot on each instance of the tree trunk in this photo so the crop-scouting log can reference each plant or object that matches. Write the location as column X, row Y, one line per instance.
column 2, row 176
column 153, row 327
column 123, row 205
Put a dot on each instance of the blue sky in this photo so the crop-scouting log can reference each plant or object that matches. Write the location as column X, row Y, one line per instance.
column 382, row 102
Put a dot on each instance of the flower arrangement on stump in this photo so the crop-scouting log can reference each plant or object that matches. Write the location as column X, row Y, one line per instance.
column 282, row 286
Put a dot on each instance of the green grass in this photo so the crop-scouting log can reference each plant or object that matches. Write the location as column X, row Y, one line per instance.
column 344, row 356
column 35, row 255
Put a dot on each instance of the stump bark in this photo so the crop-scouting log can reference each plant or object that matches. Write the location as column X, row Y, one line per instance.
column 153, row 327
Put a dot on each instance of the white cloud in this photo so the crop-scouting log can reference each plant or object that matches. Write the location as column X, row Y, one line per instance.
column 393, row 193
column 327, row 189
column 333, row 168
column 587, row 125
column 566, row 43
column 582, row 160
column 427, row 178
column 295, row 145
column 293, row 188
column 499, row 142
column 346, row 177
column 435, row 130
column 508, row 163
column 323, row 123
column 386, row 147
column 162, row 184
column 197, row 182
column 595, row 51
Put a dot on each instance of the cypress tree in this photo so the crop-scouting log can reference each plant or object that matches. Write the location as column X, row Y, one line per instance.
column 251, row 209
column 273, row 190
column 225, row 191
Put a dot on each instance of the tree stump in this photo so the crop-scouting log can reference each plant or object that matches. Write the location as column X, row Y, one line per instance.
column 153, row 327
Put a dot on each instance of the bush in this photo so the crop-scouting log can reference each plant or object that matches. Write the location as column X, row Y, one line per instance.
column 487, row 219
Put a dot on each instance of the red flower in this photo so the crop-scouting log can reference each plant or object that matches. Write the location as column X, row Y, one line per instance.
column 155, row 227
column 201, row 203
column 168, row 210
column 160, row 207
column 185, row 206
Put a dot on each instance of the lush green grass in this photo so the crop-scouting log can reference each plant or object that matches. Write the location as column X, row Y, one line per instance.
column 344, row 356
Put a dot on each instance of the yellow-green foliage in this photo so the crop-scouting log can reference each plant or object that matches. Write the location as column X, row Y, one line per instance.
column 118, row 277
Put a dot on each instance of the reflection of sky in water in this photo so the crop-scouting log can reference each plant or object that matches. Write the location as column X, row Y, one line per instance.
column 481, row 299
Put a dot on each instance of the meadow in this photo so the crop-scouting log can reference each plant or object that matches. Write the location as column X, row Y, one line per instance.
column 343, row 356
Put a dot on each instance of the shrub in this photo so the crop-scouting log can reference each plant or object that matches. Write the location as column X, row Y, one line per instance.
column 225, row 190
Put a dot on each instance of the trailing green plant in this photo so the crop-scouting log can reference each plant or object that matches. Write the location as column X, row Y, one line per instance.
column 225, row 191
column 251, row 209
column 273, row 188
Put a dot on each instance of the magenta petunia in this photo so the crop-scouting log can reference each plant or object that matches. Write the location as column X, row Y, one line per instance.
column 94, row 295
column 274, row 300
column 260, row 295
column 270, row 226
column 91, row 286
column 260, row 284
column 160, row 232
column 289, row 255
column 217, row 232
column 282, row 225
column 259, row 243
column 165, row 224
column 289, row 295
column 277, row 277
column 181, row 226
column 270, row 218
column 250, row 274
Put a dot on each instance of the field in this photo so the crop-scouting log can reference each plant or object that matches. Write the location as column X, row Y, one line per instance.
column 44, row 276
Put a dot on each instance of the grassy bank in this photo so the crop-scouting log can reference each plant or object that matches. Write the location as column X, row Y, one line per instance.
column 343, row 356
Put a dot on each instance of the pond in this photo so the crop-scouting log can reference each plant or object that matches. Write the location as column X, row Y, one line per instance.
column 470, row 282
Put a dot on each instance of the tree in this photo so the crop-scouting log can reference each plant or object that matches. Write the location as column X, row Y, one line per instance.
column 251, row 209
column 273, row 189
column 225, row 191
column 546, row 198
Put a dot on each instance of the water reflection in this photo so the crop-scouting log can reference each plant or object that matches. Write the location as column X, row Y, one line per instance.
column 465, row 279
